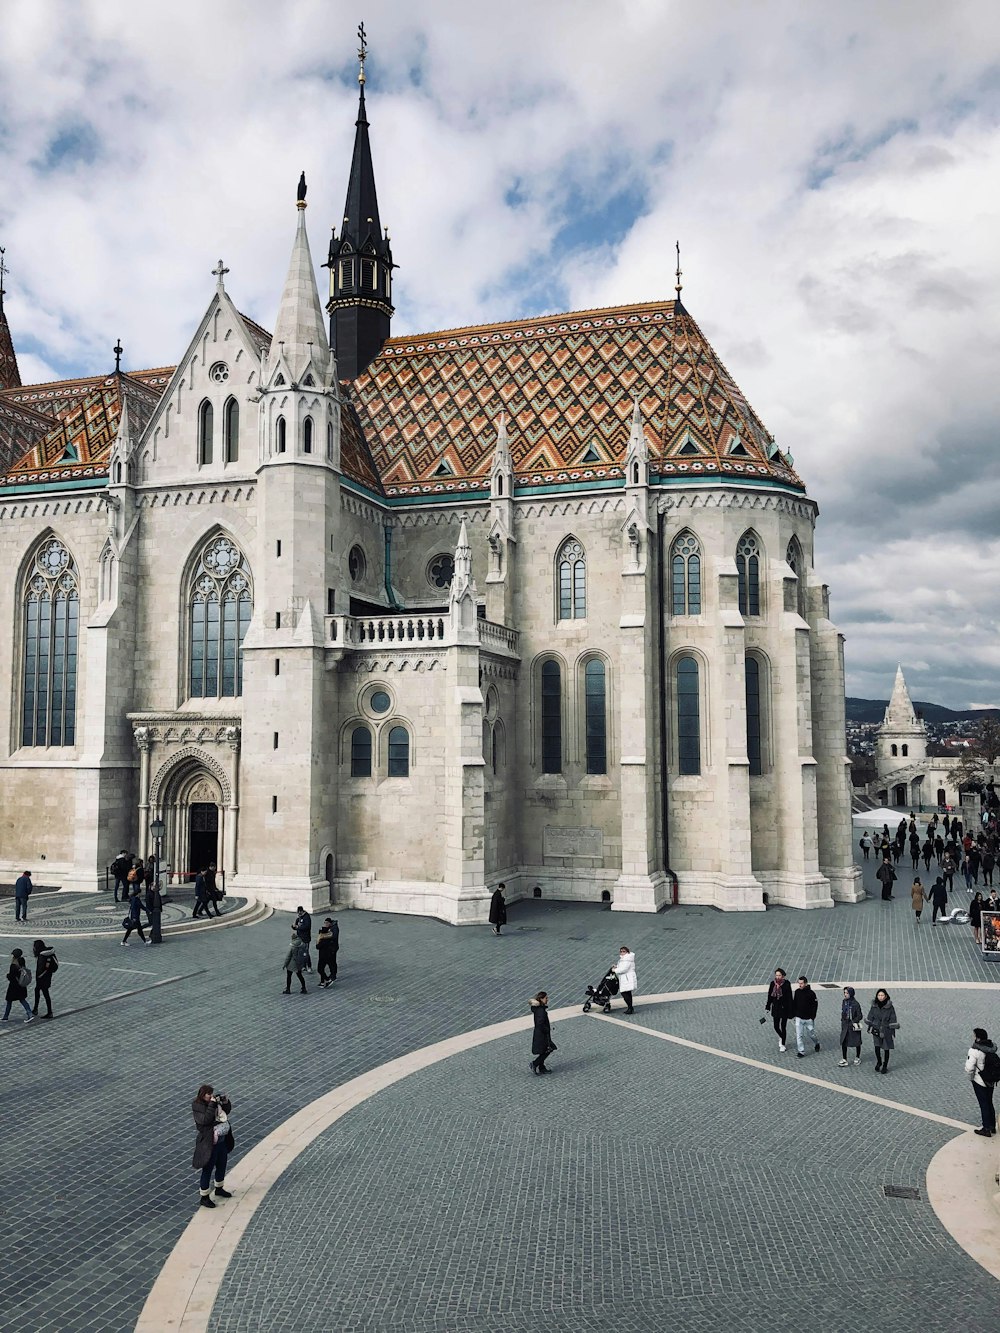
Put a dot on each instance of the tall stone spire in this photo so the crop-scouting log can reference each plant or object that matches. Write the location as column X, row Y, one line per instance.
column 299, row 331
column 10, row 376
column 900, row 713
column 360, row 259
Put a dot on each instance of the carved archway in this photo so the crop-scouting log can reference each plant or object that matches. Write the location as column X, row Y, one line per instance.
column 192, row 794
column 189, row 759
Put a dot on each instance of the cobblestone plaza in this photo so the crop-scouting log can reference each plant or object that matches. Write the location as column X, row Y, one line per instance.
column 666, row 1176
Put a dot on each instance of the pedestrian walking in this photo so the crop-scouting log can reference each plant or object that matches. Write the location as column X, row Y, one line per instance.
column 625, row 971
column 882, row 1023
column 988, row 864
column 154, row 909
column 295, row 961
column 917, row 899
column 542, row 1044
column 212, row 894
column 134, row 919
column 983, row 1069
column 928, row 852
column 804, row 1007
column 939, row 849
column 304, row 929
column 948, row 871
column 200, row 894
column 18, row 981
column 976, row 917
column 498, row 909
column 851, row 1015
column 886, row 876
column 865, row 844
column 214, row 1142
column 327, row 944
column 120, row 867
column 779, row 1005
column 938, row 898
column 22, row 892
column 46, row 966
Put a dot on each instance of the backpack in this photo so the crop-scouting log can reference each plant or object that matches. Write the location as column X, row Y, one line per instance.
column 53, row 964
column 24, row 977
column 990, row 1072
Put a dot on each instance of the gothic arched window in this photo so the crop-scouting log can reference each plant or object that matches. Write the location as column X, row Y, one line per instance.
column 206, row 430
column 307, row 436
column 595, row 680
column 399, row 752
column 329, row 441
column 748, row 568
column 231, row 429
column 51, row 628
column 220, row 604
column 571, row 565
column 551, row 717
column 279, row 435
column 361, row 753
column 754, row 746
column 794, row 561
column 686, row 677
column 685, row 576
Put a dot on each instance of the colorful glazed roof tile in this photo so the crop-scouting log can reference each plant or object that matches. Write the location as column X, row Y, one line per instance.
column 85, row 434
column 430, row 404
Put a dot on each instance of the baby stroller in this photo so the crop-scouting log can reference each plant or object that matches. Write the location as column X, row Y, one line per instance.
column 601, row 993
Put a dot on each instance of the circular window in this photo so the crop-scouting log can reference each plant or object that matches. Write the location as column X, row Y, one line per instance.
column 379, row 702
column 441, row 570
column 219, row 372
column 356, row 564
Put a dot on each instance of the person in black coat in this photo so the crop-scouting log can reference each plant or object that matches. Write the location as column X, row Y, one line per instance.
column 939, row 899
column 327, row 944
column 213, row 1144
column 16, row 990
column 886, row 876
column 46, row 964
column 498, row 909
column 134, row 919
column 542, row 1044
column 805, row 1006
column 304, row 929
column 779, row 1005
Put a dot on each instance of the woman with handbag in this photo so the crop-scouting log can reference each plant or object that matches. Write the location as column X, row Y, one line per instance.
column 214, row 1143
column 851, row 1015
column 882, row 1023
column 542, row 1044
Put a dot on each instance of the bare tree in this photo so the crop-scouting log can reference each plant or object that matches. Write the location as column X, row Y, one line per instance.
column 987, row 734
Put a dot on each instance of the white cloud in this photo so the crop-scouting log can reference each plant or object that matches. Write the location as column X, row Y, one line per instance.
column 834, row 175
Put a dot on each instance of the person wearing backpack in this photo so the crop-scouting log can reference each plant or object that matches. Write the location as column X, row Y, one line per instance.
column 134, row 920
column 983, row 1068
column 46, row 966
column 119, row 868
column 18, row 981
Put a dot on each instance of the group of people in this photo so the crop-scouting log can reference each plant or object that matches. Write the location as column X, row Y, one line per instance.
column 802, row 1004
column 945, row 841
column 298, row 961
column 131, row 872
column 19, row 978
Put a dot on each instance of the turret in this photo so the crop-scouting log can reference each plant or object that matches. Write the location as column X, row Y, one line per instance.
column 902, row 737
column 360, row 259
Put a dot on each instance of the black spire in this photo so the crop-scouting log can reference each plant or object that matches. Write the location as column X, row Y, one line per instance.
column 360, row 259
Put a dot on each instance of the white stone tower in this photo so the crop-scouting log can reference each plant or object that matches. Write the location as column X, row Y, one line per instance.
column 902, row 737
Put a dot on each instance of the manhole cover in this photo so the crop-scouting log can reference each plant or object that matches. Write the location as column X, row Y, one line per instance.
column 900, row 1192
column 828, row 985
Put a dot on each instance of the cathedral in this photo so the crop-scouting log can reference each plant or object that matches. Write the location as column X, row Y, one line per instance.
column 384, row 620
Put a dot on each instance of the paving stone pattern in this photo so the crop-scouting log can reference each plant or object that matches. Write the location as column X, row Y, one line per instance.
column 52, row 914
column 103, row 1178
column 627, row 1186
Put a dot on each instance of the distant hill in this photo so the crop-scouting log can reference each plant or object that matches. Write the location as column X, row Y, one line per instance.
column 873, row 710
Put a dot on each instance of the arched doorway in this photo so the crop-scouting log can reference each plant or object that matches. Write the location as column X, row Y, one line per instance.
column 899, row 794
column 942, row 796
column 203, row 835
column 192, row 797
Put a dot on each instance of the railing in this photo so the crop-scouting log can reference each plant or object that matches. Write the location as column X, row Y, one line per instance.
column 492, row 635
column 412, row 631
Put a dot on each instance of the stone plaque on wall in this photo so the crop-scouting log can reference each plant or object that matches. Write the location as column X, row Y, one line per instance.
column 563, row 842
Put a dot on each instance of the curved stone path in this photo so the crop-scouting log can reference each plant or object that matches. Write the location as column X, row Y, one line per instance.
column 75, row 915
column 235, row 1261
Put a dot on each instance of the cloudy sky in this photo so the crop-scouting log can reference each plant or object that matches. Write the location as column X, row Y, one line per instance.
column 832, row 172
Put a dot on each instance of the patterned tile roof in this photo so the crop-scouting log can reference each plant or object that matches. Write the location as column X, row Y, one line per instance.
column 430, row 405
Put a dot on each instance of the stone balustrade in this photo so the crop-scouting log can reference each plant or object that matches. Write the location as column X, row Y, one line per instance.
column 413, row 631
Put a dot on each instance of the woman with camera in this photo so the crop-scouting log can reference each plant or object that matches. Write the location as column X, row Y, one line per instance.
column 214, row 1143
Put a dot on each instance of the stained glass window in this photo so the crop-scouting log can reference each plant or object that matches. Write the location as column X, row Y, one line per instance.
column 748, row 568
column 685, row 576
column 688, row 716
column 594, row 693
column 361, row 753
column 754, row 749
column 571, row 564
column 220, row 608
column 51, row 632
column 399, row 752
column 551, row 717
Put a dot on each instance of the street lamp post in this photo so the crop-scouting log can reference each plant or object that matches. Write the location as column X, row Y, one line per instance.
column 156, row 830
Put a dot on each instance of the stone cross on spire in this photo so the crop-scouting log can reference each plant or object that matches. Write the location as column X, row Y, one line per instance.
column 220, row 272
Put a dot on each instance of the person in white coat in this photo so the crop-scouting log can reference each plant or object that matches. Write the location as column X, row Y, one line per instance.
column 625, row 970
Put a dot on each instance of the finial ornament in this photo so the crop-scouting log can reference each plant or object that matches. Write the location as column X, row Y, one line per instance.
column 362, row 53
column 677, row 283
column 300, row 193
column 4, row 270
column 220, row 272
column 118, row 349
